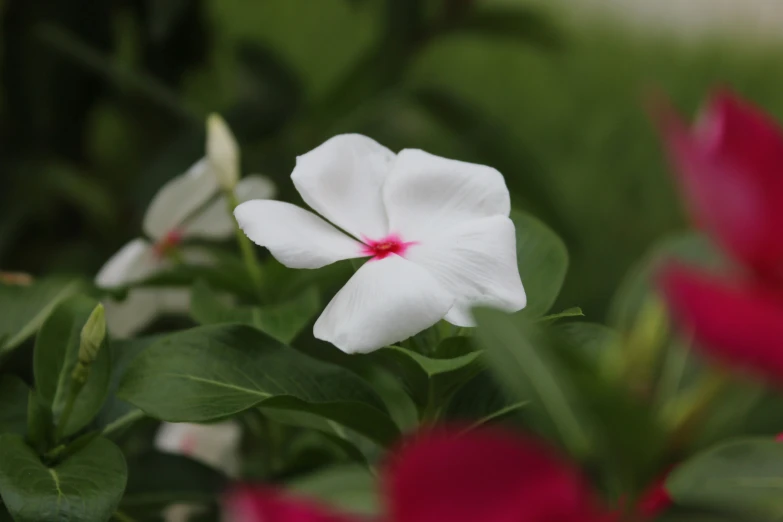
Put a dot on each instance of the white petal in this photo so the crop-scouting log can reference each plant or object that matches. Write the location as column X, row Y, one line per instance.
column 179, row 199
column 222, row 152
column 195, row 255
column 477, row 262
column 255, row 186
column 182, row 512
column 133, row 262
column 173, row 300
column 215, row 222
column 385, row 302
column 126, row 318
column 342, row 180
column 295, row 237
column 426, row 193
column 142, row 306
column 213, row 444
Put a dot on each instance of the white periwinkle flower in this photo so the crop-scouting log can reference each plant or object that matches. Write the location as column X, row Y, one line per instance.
column 216, row 445
column 436, row 230
column 190, row 206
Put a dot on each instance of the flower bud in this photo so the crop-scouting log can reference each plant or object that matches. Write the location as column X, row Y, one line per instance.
column 93, row 334
column 222, row 152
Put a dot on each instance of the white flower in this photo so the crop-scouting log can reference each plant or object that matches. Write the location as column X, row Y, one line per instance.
column 190, row 206
column 216, row 445
column 437, row 232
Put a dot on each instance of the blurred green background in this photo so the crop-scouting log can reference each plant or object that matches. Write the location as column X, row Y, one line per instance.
column 103, row 101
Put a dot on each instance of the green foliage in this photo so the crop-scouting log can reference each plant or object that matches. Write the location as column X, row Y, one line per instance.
column 212, row 372
column 543, row 263
column 103, row 104
column 481, row 401
column 25, row 308
column 56, row 356
column 13, row 397
column 522, row 362
column 282, row 322
column 430, row 381
column 157, row 480
column 637, row 287
column 84, row 488
column 742, row 476
column 349, row 488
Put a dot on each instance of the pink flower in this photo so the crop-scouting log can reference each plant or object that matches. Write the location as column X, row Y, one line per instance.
column 730, row 167
column 483, row 475
column 731, row 171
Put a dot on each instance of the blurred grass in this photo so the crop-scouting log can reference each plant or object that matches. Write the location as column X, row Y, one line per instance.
column 568, row 119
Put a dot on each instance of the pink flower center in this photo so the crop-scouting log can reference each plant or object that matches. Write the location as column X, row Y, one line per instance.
column 167, row 243
column 382, row 248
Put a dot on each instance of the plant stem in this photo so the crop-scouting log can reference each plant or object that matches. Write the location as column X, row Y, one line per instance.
column 245, row 246
column 127, row 419
column 68, row 410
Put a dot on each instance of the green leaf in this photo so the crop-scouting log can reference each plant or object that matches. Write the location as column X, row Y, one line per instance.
column 13, row 404
column 523, row 362
column 481, row 400
column 25, row 308
column 84, row 488
column 568, row 312
column 354, row 446
column 520, row 23
column 40, row 425
column 543, row 262
column 283, row 322
column 621, row 423
column 345, row 488
column 592, row 340
column 123, row 353
column 430, row 381
column 56, row 355
column 228, row 273
column 744, row 476
column 638, row 285
column 212, row 372
column 156, row 480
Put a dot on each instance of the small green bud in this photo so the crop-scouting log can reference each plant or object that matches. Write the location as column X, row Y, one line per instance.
column 93, row 334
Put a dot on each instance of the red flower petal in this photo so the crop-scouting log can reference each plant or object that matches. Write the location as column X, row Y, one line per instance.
column 731, row 170
column 260, row 504
column 655, row 500
column 486, row 476
column 738, row 326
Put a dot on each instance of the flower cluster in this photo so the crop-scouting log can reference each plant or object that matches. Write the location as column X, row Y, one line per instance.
column 190, row 206
column 730, row 166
